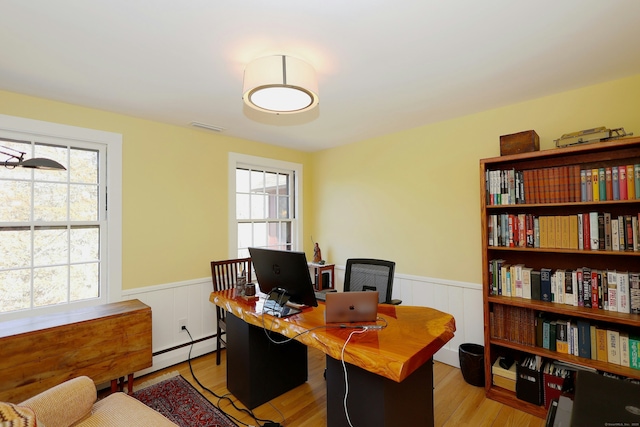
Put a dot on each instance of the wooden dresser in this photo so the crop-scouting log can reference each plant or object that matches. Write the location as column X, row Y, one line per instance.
column 104, row 342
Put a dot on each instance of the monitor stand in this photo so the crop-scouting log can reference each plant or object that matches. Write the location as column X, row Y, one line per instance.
column 276, row 304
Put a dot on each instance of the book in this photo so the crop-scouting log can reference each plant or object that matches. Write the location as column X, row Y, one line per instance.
column 602, row 352
column 580, row 218
column 636, row 172
column 607, row 231
column 526, row 282
column 595, row 286
column 562, row 340
column 622, row 182
column 594, row 344
column 593, row 231
column 560, row 286
column 613, row 346
column 612, row 291
column 624, row 301
column 608, row 184
column 624, row 349
column 586, row 287
column 583, row 185
column 615, row 236
column 584, row 338
column 634, row 292
column 602, row 184
column 634, row 352
column 536, row 285
column 545, row 284
column 631, row 183
column 628, row 233
column 615, row 183
column 573, row 231
column 595, row 185
column 579, row 287
column 568, row 288
column 586, row 232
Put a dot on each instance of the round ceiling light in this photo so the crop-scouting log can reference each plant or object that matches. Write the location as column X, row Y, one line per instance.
column 280, row 85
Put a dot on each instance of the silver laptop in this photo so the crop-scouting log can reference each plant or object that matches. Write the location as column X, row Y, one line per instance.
column 346, row 307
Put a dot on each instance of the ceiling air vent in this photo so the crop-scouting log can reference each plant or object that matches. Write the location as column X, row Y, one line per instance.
column 207, row 126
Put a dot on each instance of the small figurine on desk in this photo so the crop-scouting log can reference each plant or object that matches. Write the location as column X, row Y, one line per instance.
column 317, row 254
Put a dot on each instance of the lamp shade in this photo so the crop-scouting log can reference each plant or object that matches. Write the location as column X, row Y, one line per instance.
column 280, row 84
column 42, row 163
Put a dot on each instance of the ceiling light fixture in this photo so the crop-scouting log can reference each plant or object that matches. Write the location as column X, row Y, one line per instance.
column 280, row 85
column 35, row 163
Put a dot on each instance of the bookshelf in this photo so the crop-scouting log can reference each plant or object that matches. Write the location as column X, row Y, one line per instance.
column 537, row 186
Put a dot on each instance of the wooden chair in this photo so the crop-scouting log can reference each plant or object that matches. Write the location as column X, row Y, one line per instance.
column 224, row 274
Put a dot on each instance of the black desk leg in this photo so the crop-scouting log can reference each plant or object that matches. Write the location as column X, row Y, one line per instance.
column 378, row 401
column 259, row 370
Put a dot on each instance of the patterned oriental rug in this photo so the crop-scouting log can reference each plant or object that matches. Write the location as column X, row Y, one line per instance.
column 179, row 401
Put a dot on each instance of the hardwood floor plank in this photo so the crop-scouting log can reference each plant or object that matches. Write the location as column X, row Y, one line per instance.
column 456, row 402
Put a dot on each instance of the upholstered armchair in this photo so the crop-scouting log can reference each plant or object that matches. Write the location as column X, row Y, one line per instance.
column 73, row 403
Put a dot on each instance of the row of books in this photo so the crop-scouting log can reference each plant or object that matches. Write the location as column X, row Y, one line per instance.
column 585, row 339
column 610, row 183
column 609, row 290
column 584, row 231
column 513, row 324
column 562, row 184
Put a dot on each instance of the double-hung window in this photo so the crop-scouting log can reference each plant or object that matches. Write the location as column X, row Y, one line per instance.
column 265, row 204
column 54, row 227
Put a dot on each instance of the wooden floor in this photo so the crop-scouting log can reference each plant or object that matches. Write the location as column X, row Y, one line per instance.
column 456, row 402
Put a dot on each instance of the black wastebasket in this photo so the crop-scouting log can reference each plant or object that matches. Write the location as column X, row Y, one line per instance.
column 472, row 363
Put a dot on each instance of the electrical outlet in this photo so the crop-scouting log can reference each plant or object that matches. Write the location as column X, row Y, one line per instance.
column 182, row 325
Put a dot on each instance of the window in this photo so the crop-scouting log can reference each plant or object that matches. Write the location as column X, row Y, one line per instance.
column 55, row 236
column 265, row 204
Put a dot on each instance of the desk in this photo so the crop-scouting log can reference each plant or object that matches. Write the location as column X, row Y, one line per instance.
column 390, row 372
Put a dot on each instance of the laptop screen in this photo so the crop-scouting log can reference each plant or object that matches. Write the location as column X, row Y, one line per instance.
column 345, row 307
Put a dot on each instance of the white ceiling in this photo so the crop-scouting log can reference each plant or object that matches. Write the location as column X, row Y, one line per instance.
column 383, row 65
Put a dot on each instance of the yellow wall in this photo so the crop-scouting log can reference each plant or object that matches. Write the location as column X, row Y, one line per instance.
column 413, row 196
column 174, row 188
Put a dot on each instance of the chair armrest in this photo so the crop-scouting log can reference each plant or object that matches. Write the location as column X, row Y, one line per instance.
column 64, row 404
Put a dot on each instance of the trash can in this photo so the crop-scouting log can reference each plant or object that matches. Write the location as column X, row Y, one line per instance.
column 472, row 363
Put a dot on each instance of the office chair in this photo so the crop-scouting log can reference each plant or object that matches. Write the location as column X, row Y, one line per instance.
column 363, row 274
column 225, row 274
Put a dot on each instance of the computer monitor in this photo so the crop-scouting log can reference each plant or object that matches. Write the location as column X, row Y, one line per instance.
column 284, row 271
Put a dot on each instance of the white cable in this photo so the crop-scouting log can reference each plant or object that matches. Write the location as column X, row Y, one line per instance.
column 344, row 367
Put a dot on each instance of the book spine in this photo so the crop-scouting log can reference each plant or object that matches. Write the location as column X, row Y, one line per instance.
column 595, row 185
column 622, row 182
column 615, row 183
column 631, row 183
column 608, row 184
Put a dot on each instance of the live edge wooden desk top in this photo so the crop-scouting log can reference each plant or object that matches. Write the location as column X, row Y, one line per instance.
column 411, row 338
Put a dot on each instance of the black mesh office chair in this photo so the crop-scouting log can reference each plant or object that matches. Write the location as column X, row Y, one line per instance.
column 364, row 274
column 224, row 274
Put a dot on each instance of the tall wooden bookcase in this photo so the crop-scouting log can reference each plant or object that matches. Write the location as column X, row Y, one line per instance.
column 588, row 156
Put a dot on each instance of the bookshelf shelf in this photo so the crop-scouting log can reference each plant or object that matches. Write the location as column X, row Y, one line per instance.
column 510, row 321
column 565, row 251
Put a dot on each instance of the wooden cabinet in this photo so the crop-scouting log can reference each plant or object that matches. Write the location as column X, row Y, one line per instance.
column 561, row 255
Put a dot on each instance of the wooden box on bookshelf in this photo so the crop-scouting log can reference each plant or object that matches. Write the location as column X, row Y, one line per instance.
column 549, row 230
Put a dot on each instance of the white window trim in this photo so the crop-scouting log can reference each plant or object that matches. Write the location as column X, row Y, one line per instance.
column 113, row 142
column 236, row 159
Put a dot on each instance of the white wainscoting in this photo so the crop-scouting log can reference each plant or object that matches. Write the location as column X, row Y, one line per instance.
column 190, row 300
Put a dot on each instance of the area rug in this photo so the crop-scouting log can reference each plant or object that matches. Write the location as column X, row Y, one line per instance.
column 179, row 401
